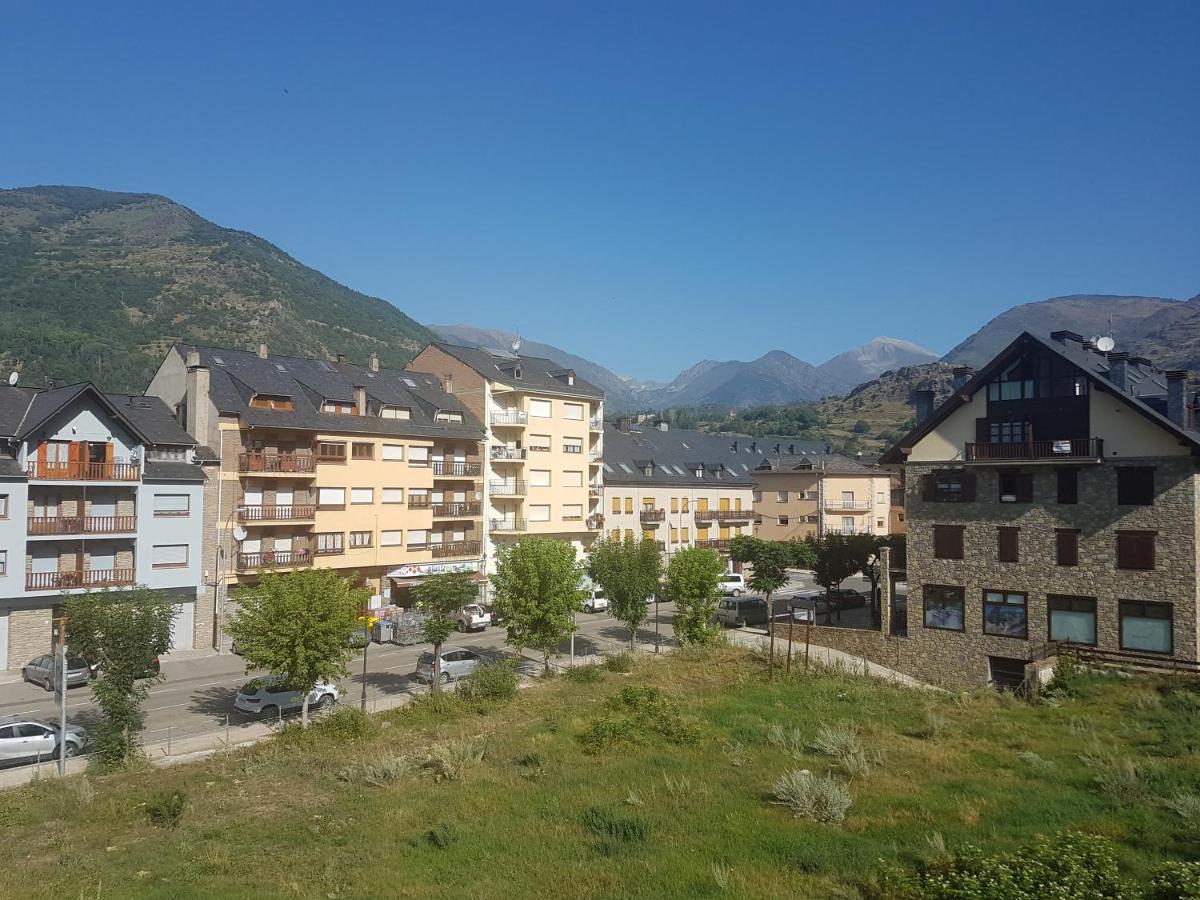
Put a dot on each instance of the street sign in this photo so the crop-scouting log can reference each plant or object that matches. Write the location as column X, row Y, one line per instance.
column 804, row 613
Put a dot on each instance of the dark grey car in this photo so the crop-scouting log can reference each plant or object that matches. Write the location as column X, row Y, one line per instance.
column 43, row 670
column 734, row 612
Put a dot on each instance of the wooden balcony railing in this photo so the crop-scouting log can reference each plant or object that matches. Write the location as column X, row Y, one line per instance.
column 452, row 469
column 84, row 471
column 511, row 525
column 652, row 515
column 455, row 548
column 283, row 463
column 724, row 515
column 269, row 559
column 1067, row 449
column 456, row 510
column 81, row 524
column 54, row 581
column 276, row 513
column 507, row 488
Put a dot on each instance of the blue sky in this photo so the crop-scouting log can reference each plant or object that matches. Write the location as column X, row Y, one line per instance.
column 648, row 184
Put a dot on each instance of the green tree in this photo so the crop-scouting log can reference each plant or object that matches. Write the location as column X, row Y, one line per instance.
column 803, row 553
column 629, row 571
column 298, row 626
column 440, row 597
column 864, row 555
column 835, row 563
column 121, row 633
column 536, row 589
column 768, row 561
column 693, row 585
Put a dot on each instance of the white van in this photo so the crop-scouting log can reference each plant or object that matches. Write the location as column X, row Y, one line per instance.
column 595, row 601
column 733, row 584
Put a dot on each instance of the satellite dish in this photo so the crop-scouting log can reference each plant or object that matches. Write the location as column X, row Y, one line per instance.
column 12, row 379
column 239, row 534
column 1105, row 344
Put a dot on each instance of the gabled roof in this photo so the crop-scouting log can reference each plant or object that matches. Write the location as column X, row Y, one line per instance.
column 1148, row 387
column 675, row 456
column 821, row 463
column 24, row 410
column 536, row 373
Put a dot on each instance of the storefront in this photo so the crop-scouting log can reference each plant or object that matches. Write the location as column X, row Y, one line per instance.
column 401, row 580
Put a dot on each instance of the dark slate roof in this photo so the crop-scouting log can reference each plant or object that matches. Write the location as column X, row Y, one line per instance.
column 24, row 410
column 536, row 373
column 10, row 468
column 237, row 375
column 14, row 404
column 827, row 463
column 675, row 454
column 788, row 446
column 1147, row 392
column 158, row 470
column 153, row 420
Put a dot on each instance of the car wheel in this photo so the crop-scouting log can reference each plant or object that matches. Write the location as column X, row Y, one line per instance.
column 72, row 749
column 269, row 711
column 445, row 679
column 48, row 684
column 739, row 623
column 324, row 701
column 735, row 593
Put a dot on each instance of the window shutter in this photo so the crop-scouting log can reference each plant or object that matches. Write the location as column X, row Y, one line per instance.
column 929, row 487
column 1068, row 485
column 1009, row 542
column 1135, row 549
column 1067, row 547
column 948, row 541
column 1025, row 487
column 968, row 487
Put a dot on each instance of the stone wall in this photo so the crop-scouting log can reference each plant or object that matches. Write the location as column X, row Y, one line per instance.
column 28, row 635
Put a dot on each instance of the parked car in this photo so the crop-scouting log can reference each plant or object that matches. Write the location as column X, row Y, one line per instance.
column 269, row 696
column 457, row 662
column 846, row 598
column 151, row 671
column 25, row 739
column 740, row 611
column 733, row 584
column 595, row 601
column 473, row 618
column 43, row 670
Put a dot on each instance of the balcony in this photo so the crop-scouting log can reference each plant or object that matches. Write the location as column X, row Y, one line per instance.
column 724, row 515
column 42, row 525
column 272, row 559
column 596, row 424
column 507, row 488
column 595, row 490
column 277, row 464
column 83, row 471
column 511, row 526
column 652, row 516
column 716, row 544
column 451, row 469
column 595, row 522
column 274, row 513
column 508, row 454
column 510, row 417
column 456, row 510
column 594, row 457
column 455, row 548
column 1070, row 450
column 87, row 578
column 832, row 504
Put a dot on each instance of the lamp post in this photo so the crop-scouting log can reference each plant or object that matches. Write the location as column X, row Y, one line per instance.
column 365, row 618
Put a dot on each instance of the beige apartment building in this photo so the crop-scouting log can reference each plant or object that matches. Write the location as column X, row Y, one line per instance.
column 680, row 488
column 809, row 494
column 369, row 471
column 545, row 442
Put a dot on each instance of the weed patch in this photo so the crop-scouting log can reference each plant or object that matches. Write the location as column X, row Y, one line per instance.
column 166, row 809
column 820, row 798
column 449, row 760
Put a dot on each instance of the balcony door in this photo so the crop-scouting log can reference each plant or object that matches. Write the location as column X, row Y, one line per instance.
column 284, row 497
column 47, row 506
column 723, row 504
column 102, row 558
column 43, row 558
column 103, row 505
column 252, row 497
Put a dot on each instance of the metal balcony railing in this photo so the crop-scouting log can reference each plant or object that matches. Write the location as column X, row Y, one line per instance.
column 510, row 417
column 724, row 515
column 510, row 525
column 269, row 559
column 451, row 469
column 455, row 548
column 716, row 544
column 508, row 454
column 507, row 488
column 848, row 505
column 650, row 515
column 456, row 510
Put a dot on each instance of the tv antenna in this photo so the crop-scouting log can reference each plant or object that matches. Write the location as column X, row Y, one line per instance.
column 516, row 344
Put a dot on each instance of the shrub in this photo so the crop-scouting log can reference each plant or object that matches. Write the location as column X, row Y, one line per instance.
column 639, row 698
column 383, row 768
column 166, row 809
column 449, row 760
column 607, row 732
column 346, row 723
column 842, row 744
column 934, row 725
column 620, row 662
column 1119, row 777
column 1175, row 881
column 791, row 742
column 647, row 713
column 532, row 765
column 442, row 836
column 613, row 827
column 736, row 753
column 1186, row 805
column 1035, row 762
column 819, row 798
column 491, row 682
column 589, row 674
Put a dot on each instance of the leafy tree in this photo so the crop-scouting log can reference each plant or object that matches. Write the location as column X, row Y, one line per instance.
column 835, row 563
column 536, row 589
column 629, row 571
column 693, row 584
column 803, row 553
column 864, row 554
column 769, row 561
column 862, row 426
column 121, row 633
column 298, row 626
column 440, row 597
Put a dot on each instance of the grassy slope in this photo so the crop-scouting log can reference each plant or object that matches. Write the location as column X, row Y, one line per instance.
column 275, row 821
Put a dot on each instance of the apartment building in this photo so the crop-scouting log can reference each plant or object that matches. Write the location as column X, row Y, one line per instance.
column 680, row 488
column 97, row 492
column 1051, row 498
column 370, row 471
column 809, row 494
column 545, row 442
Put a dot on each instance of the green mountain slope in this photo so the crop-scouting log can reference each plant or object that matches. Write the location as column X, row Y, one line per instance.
column 96, row 284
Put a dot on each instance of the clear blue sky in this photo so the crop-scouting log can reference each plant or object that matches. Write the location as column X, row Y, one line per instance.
column 648, row 183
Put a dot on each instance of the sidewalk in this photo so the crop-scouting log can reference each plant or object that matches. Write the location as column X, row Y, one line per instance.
column 829, row 657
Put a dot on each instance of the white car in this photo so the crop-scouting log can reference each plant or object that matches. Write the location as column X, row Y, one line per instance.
column 473, row 618
column 22, row 740
column 733, row 584
column 269, row 697
column 595, row 601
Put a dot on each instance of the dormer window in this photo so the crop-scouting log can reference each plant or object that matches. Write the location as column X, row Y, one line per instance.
column 700, row 472
column 453, row 418
column 270, row 401
column 395, row 412
column 339, row 407
column 648, row 471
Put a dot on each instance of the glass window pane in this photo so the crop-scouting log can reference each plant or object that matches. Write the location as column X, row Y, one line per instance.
column 1079, row 627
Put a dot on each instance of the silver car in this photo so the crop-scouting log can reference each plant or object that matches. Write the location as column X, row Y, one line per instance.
column 457, row 663
column 43, row 670
column 269, row 697
column 22, row 740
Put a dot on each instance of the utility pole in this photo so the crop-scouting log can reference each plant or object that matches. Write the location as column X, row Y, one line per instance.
column 60, row 685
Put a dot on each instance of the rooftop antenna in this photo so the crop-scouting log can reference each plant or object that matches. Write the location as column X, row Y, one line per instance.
column 1104, row 343
column 516, row 344
column 12, row 379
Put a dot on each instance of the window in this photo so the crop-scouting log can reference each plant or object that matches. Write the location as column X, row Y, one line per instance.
column 573, row 411
column 781, row 520
column 1072, row 619
column 418, row 457
column 572, row 512
column 1004, row 614
column 393, row 452
column 1146, row 627
column 948, row 487
column 418, row 498
column 360, row 539
column 1008, row 544
column 1135, row 549
column 331, row 452
column 1015, row 487
column 395, row 412
column 539, row 478
column 756, row 496
column 572, row 445
column 1068, row 486
column 948, row 541
column 539, row 443
column 450, row 417
column 684, row 502
column 362, row 450
column 1066, row 546
column 628, row 506
column 943, row 607
column 331, row 498
column 674, row 535
column 330, row 542
column 781, row 496
column 1010, row 432
column 169, row 556
column 572, row 478
column 339, row 407
column 1135, row 485
column 393, row 495
column 167, row 454
column 616, row 505
column 417, row 538
column 362, row 495
column 270, row 401
column 171, row 504
column 540, row 409
column 539, row 512
column 3, row 562
column 391, row 538
column 3, row 506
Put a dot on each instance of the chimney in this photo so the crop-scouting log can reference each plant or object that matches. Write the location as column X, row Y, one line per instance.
column 791, row 449
column 1176, row 397
column 735, row 446
column 448, row 383
column 198, row 406
column 754, row 446
column 262, row 350
column 663, row 426
column 923, row 401
column 1063, row 336
column 1118, row 370
column 341, row 358
column 360, row 399
column 961, row 375
column 373, row 365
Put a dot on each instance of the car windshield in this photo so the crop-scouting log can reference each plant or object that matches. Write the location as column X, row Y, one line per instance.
column 425, row 659
column 731, row 578
column 259, row 684
column 76, row 663
column 599, row 595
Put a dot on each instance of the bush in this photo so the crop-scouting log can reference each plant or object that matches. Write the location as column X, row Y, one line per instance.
column 166, row 809
column 819, row 798
column 346, row 723
column 1036, row 763
column 585, row 674
column 449, row 760
column 1119, row 777
column 648, row 713
column 639, row 698
column 842, row 744
column 383, row 768
column 1186, row 805
column 442, row 836
column 1176, row 881
column 621, row 662
column 607, row 732
column 492, row 681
